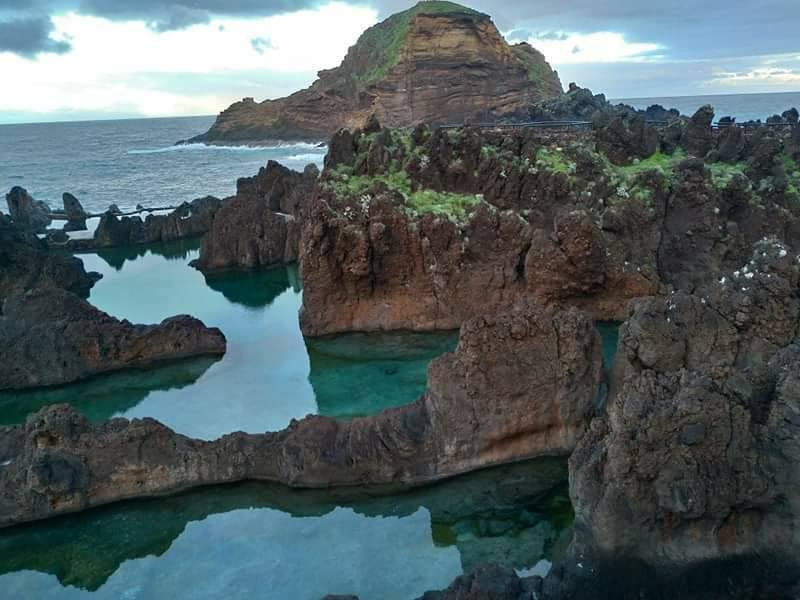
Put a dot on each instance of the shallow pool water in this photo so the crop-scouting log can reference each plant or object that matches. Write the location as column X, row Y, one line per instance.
column 262, row 540
column 268, row 375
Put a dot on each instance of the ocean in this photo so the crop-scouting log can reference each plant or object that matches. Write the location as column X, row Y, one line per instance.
column 132, row 161
column 135, row 161
column 744, row 107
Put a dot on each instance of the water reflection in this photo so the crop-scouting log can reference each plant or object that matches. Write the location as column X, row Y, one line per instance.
column 296, row 544
column 104, row 396
column 175, row 250
column 254, row 289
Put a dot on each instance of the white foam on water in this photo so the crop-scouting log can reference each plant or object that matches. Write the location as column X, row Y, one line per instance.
column 200, row 146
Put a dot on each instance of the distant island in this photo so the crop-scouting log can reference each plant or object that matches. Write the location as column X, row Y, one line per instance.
column 437, row 62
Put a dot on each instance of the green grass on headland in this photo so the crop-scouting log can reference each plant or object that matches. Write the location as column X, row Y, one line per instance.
column 383, row 42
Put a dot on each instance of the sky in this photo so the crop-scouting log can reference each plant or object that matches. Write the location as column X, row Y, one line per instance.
column 86, row 59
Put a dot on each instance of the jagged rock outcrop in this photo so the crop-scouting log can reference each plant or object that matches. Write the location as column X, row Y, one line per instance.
column 73, row 210
column 28, row 214
column 190, row 219
column 422, row 230
column 437, row 62
column 25, row 264
column 697, row 457
column 518, row 386
column 697, row 137
column 260, row 226
column 51, row 336
column 624, row 136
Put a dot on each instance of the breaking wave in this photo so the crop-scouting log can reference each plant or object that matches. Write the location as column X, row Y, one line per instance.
column 287, row 147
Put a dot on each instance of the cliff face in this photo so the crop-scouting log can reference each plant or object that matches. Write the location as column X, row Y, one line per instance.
column 436, row 62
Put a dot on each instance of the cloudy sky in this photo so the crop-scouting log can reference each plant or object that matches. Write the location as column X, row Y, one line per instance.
column 79, row 59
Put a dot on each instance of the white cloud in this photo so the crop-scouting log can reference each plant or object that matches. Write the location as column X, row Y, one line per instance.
column 109, row 59
column 761, row 78
column 598, row 47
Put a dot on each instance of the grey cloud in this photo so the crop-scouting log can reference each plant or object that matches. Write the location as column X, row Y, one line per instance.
column 29, row 36
column 552, row 35
column 179, row 17
column 721, row 29
column 260, row 44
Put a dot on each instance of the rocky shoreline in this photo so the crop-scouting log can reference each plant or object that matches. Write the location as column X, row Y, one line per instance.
column 682, row 457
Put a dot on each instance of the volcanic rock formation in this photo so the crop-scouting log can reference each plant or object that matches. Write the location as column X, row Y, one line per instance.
column 190, row 219
column 518, row 386
column 437, row 62
column 25, row 264
column 51, row 336
column 424, row 230
column 698, row 455
column 28, row 214
column 260, row 226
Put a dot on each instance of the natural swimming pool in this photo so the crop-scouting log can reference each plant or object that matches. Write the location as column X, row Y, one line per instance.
column 259, row 539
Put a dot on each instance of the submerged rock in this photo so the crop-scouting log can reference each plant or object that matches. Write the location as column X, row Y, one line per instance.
column 535, row 399
column 28, row 214
column 50, row 336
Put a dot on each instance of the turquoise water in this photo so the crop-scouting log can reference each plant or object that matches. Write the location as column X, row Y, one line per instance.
column 264, row 541
column 265, row 379
column 261, row 540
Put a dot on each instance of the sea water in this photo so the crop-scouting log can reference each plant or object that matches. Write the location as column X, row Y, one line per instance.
column 132, row 161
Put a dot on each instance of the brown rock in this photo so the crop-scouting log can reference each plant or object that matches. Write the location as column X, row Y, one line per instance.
column 50, row 336
column 260, row 226
column 532, row 397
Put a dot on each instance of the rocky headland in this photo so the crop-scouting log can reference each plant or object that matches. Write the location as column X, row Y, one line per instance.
column 437, row 62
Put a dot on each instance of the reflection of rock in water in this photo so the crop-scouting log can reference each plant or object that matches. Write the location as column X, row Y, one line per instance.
column 512, row 514
column 253, row 289
column 175, row 250
column 102, row 397
column 362, row 373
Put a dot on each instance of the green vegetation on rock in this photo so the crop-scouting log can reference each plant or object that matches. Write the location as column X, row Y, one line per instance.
column 361, row 188
column 381, row 43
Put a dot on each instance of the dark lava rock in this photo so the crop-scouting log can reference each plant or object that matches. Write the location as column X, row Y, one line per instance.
column 76, row 216
column 791, row 116
column 49, row 336
column 578, row 104
column 731, row 144
column 27, row 213
column 190, row 219
column 260, row 226
column 624, row 136
column 698, row 137
column 25, row 263
column 697, row 456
